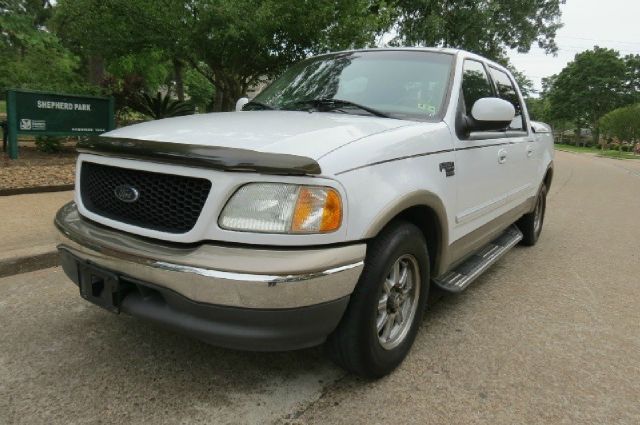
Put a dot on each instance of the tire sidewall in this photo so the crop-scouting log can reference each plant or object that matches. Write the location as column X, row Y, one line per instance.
column 543, row 196
column 406, row 239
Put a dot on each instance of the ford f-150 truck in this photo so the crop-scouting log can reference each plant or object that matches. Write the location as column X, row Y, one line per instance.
column 322, row 211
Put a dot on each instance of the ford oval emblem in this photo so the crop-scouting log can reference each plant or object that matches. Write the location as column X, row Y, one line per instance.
column 126, row 193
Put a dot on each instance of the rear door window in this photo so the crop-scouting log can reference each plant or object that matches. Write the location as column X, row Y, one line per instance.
column 507, row 91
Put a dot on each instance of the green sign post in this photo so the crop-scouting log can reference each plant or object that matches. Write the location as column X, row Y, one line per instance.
column 50, row 114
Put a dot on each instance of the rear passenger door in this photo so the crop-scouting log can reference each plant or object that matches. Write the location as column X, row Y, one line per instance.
column 520, row 163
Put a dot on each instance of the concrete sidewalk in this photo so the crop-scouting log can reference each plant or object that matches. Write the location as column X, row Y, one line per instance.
column 27, row 234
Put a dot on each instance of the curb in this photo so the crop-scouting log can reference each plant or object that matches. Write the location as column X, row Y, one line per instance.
column 16, row 265
column 36, row 189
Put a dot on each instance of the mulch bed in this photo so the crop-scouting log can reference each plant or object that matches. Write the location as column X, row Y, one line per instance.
column 34, row 169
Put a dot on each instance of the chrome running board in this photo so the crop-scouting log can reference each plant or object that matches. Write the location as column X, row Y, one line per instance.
column 458, row 279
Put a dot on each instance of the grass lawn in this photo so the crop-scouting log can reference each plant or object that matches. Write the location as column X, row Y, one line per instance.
column 619, row 155
column 571, row 148
column 596, row 151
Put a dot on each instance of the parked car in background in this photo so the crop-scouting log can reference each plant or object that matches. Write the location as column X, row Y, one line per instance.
column 323, row 212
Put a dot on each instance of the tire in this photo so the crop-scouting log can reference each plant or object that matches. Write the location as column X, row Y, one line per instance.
column 531, row 224
column 357, row 344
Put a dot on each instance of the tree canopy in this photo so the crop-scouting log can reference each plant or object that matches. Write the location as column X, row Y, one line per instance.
column 232, row 43
column 595, row 82
column 31, row 56
column 239, row 42
column 220, row 48
column 487, row 27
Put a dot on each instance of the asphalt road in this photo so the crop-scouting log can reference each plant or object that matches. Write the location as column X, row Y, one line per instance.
column 550, row 334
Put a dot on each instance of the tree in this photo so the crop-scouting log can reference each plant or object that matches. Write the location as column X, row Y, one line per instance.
column 633, row 77
column 487, row 27
column 126, row 37
column 32, row 57
column 22, row 22
column 232, row 43
column 235, row 44
column 201, row 92
column 538, row 109
column 587, row 88
column 525, row 84
column 238, row 43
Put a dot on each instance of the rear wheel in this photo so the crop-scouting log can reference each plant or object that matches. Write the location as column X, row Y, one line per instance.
column 531, row 224
column 385, row 309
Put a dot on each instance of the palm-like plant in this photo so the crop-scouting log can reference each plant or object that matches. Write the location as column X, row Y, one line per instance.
column 160, row 106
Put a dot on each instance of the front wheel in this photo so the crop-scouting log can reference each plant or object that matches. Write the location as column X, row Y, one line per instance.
column 385, row 309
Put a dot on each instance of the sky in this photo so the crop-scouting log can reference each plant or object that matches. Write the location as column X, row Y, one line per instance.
column 606, row 23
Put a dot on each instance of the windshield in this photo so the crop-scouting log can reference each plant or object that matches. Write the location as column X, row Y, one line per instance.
column 398, row 84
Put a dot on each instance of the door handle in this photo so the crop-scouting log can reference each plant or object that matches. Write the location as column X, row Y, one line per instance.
column 530, row 151
column 502, row 156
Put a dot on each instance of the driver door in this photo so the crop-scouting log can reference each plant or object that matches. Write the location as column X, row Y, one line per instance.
column 482, row 166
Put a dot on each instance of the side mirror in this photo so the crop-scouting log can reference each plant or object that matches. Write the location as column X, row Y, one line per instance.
column 490, row 114
column 241, row 102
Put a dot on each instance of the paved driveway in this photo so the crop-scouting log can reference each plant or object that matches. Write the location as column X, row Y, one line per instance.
column 26, row 223
column 550, row 334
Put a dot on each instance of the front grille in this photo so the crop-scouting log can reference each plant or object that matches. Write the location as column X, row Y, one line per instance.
column 165, row 202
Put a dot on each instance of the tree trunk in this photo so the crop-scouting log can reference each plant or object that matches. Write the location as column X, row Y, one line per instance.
column 234, row 92
column 228, row 91
column 229, row 103
column 178, row 75
column 596, row 134
column 96, row 69
column 218, row 100
column 225, row 100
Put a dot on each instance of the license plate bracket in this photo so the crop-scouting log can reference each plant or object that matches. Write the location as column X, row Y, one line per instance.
column 100, row 287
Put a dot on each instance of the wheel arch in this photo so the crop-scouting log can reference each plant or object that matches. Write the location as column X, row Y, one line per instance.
column 427, row 212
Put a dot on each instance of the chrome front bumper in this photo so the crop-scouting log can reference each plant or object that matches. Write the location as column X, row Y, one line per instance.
column 255, row 278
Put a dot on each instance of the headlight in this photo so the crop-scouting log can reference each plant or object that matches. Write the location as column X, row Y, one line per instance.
column 283, row 208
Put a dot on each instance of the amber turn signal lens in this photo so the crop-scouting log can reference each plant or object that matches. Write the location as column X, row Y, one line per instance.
column 332, row 213
column 318, row 209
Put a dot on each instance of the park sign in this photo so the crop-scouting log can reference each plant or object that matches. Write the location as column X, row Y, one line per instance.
column 50, row 114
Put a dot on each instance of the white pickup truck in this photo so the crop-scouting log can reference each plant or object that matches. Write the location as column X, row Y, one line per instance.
column 322, row 212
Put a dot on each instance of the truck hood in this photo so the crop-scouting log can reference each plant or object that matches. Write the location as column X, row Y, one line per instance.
column 298, row 133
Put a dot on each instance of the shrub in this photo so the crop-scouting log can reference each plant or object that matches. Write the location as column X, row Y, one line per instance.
column 48, row 144
column 622, row 124
column 159, row 107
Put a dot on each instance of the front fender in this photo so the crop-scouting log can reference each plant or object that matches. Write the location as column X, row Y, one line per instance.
column 420, row 198
column 380, row 193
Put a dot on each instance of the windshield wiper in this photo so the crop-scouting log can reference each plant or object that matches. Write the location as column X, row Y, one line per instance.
column 258, row 104
column 333, row 104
